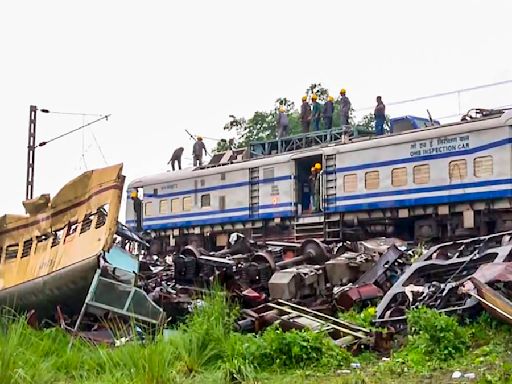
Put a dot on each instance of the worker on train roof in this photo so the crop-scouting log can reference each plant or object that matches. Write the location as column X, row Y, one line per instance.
column 380, row 116
column 197, row 151
column 282, row 123
column 316, row 111
column 327, row 112
column 305, row 114
column 344, row 107
column 176, row 157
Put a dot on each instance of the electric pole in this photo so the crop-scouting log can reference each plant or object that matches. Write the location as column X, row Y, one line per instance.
column 31, row 152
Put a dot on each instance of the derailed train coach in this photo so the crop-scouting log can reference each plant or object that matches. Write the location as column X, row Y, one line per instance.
column 436, row 182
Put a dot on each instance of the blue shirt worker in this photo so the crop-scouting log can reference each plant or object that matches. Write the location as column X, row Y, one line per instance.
column 317, row 112
column 380, row 116
column 327, row 112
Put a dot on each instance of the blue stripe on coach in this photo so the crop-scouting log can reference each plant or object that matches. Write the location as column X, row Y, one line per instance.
column 416, row 159
column 437, row 188
column 219, row 187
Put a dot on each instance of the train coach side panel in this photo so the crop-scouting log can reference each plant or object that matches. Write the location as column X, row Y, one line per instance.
column 440, row 169
column 197, row 200
column 276, row 191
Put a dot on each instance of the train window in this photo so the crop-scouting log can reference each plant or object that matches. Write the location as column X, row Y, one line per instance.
column 268, row 173
column 11, row 252
column 148, row 208
column 482, row 166
column 27, row 248
column 205, row 200
column 399, row 177
column 350, row 183
column 421, row 174
column 457, row 170
column 187, row 203
column 222, row 203
column 163, row 207
column 176, row 205
column 371, row 180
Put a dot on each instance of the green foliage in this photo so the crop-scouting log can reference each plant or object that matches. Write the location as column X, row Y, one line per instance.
column 363, row 318
column 299, row 349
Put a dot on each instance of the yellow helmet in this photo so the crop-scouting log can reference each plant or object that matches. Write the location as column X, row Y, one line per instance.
column 304, row 98
column 318, row 166
column 315, row 97
column 343, row 91
column 330, row 98
column 199, row 138
column 133, row 194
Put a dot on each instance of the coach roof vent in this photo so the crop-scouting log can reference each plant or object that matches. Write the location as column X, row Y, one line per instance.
column 228, row 157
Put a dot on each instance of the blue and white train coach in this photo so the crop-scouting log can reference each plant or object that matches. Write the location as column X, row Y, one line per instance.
column 436, row 182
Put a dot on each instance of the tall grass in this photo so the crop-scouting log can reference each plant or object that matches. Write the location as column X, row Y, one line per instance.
column 205, row 345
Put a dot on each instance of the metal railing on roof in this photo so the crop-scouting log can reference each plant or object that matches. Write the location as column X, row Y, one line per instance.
column 306, row 140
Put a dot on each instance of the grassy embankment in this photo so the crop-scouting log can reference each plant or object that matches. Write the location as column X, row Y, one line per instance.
column 206, row 350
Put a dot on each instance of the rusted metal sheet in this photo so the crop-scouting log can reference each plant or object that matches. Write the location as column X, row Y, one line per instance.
column 49, row 256
column 493, row 301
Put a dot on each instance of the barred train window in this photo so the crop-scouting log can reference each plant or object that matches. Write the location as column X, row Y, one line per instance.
column 164, row 207
column 482, row 166
column 205, row 200
column 148, row 208
column 457, row 170
column 176, row 205
column 187, row 203
column 350, row 183
column 399, row 177
column 421, row 174
column 371, row 180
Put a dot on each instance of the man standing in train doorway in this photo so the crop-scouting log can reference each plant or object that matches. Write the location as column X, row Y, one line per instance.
column 314, row 187
column 197, row 151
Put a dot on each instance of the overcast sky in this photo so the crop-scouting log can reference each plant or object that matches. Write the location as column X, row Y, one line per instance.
column 160, row 67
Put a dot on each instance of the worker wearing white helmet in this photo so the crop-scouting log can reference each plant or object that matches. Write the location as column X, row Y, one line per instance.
column 344, row 107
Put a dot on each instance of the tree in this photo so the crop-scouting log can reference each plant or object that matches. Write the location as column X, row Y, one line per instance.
column 317, row 89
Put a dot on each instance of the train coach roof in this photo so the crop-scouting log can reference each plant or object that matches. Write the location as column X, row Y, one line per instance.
column 365, row 143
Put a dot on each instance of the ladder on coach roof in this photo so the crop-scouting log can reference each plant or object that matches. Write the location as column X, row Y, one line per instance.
column 254, row 192
column 332, row 224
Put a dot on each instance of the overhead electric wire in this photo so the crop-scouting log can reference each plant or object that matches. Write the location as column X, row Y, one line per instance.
column 71, row 113
column 42, row 143
column 441, row 94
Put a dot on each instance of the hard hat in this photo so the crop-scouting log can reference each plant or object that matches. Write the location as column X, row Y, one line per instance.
column 314, row 97
column 304, row 98
column 318, row 166
column 343, row 91
column 133, row 194
column 330, row 98
column 281, row 109
column 199, row 138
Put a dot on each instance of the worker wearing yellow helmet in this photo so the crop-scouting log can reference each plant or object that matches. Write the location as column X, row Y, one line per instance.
column 316, row 110
column 197, row 151
column 282, row 122
column 327, row 112
column 314, row 187
column 137, row 209
column 305, row 114
column 344, row 107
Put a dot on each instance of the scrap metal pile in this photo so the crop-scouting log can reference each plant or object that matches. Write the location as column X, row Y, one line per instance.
column 305, row 285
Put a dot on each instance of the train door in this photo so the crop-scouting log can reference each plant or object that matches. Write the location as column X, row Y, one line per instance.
column 328, row 199
column 305, row 186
